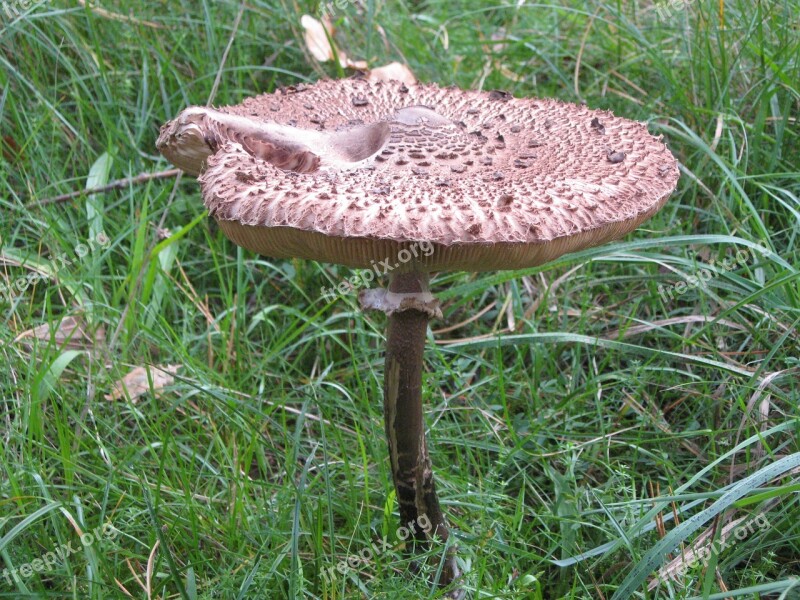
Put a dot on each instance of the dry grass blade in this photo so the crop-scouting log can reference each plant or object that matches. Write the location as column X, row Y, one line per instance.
column 107, row 14
column 763, row 417
column 151, row 560
column 658, row 420
column 639, row 329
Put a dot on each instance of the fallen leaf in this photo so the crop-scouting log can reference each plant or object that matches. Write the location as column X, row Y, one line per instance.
column 11, row 150
column 358, row 65
column 316, row 37
column 393, row 72
column 71, row 333
column 137, row 382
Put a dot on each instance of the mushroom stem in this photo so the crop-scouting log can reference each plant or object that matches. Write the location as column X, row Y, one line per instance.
column 405, row 427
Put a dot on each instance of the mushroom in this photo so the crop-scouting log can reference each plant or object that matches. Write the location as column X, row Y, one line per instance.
column 368, row 174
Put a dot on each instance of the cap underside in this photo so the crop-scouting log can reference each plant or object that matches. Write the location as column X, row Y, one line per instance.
column 384, row 256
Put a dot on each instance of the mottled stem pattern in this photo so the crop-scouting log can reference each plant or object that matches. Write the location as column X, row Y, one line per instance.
column 405, row 426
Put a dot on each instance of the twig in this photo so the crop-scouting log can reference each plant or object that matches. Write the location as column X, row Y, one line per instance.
column 117, row 17
column 119, row 183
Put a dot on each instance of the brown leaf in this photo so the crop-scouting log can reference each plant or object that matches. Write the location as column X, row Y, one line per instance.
column 393, row 72
column 317, row 39
column 137, row 382
column 11, row 150
column 71, row 333
column 318, row 44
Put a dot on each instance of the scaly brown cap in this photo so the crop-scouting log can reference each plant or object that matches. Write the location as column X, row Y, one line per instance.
column 352, row 172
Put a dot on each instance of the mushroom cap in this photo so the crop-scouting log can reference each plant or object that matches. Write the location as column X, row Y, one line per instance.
column 361, row 173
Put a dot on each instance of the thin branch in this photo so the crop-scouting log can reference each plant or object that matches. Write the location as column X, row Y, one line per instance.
column 117, row 17
column 114, row 185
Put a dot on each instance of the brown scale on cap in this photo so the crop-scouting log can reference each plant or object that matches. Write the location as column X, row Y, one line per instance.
column 350, row 171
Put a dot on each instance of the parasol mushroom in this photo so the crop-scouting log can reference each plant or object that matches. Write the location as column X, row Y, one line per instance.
column 360, row 173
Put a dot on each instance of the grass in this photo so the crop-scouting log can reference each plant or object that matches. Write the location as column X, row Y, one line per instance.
column 583, row 427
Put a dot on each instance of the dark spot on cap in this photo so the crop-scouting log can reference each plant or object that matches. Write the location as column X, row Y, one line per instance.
column 598, row 126
column 360, row 101
column 615, row 157
column 474, row 229
column 286, row 90
column 245, row 177
column 499, row 95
